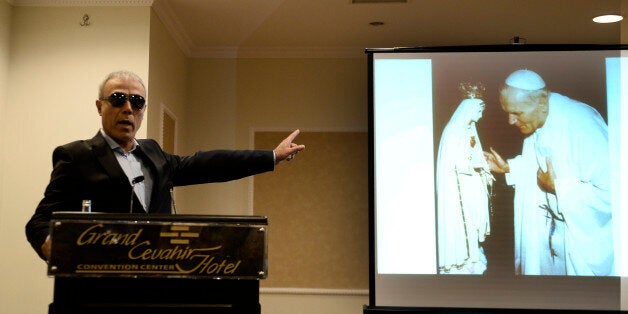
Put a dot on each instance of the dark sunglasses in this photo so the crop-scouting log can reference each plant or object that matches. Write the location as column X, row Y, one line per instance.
column 119, row 99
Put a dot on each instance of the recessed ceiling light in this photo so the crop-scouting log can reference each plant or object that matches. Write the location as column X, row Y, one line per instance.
column 610, row 18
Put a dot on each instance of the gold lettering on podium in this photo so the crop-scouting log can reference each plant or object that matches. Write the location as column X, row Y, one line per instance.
column 143, row 256
column 90, row 236
column 209, row 266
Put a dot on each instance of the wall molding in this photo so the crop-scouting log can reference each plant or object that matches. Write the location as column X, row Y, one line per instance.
column 81, row 3
column 315, row 291
column 277, row 52
column 166, row 15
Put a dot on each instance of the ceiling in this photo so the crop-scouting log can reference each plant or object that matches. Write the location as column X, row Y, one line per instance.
column 228, row 28
column 340, row 28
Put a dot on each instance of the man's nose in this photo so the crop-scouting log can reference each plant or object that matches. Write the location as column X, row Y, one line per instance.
column 127, row 106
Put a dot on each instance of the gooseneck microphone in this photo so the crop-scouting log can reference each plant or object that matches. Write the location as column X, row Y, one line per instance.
column 135, row 181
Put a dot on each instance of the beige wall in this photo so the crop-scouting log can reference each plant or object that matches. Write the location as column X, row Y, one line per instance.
column 210, row 119
column 5, row 36
column 5, row 26
column 228, row 99
column 54, row 71
column 301, row 93
column 5, row 33
column 167, row 77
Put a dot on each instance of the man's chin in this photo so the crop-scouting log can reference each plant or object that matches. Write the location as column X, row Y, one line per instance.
column 525, row 131
column 123, row 137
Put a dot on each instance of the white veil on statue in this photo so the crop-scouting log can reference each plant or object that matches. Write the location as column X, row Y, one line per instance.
column 462, row 184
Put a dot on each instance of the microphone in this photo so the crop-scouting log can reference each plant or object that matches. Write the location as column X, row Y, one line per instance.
column 135, row 181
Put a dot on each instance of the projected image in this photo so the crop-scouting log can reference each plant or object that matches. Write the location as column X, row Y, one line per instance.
column 463, row 188
column 511, row 177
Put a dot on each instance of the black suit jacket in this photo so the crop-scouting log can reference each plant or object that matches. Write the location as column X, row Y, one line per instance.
column 89, row 170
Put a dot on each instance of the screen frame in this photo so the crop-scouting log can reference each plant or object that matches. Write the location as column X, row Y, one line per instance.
column 371, row 138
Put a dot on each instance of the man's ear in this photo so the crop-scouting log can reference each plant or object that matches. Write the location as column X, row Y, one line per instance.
column 98, row 106
column 544, row 102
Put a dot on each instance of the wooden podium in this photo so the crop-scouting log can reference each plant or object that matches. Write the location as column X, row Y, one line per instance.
column 140, row 263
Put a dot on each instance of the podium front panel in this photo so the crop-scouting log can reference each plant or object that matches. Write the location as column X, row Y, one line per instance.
column 142, row 245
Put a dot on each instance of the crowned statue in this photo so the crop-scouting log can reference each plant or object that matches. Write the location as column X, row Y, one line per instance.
column 463, row 187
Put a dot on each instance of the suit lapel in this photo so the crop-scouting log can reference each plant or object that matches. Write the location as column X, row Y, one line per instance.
column 106, row 158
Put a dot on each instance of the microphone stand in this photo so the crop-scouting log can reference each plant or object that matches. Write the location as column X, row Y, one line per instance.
column 135, row 181
column 173, row 208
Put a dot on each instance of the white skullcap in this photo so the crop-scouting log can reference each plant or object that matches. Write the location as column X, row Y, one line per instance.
column 525, row 79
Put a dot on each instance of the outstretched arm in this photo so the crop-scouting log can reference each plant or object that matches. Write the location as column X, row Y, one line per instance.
column 286, row 150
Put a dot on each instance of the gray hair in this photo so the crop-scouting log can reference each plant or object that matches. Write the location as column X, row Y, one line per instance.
column 119, row 74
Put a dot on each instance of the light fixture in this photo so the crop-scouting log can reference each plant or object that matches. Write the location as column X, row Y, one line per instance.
column 609, row 18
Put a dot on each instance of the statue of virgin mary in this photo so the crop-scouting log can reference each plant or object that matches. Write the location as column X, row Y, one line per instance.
column 463, row 185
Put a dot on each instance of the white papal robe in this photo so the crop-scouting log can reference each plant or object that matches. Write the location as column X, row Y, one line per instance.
column 569, row 232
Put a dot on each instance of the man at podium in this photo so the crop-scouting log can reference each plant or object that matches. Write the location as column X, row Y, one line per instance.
column 116, row 172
